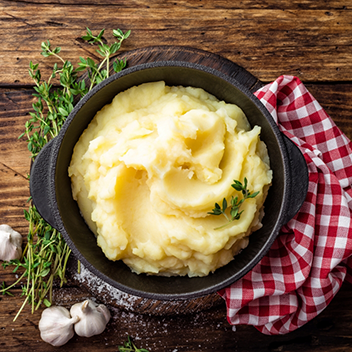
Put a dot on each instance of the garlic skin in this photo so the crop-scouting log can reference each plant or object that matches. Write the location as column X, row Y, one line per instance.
column 56, row 325
column 10, row 243
column 92, row 318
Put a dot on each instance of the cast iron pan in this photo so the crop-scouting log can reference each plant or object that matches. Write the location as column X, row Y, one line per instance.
column 51, row 189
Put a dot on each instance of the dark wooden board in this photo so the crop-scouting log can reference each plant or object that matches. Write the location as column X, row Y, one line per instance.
column 188, row 54
column 97, row 287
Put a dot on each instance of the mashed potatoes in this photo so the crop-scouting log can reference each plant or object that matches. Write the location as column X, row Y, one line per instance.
column 153, row 163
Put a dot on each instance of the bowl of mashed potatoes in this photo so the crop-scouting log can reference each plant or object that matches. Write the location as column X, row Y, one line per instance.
column 169, row 180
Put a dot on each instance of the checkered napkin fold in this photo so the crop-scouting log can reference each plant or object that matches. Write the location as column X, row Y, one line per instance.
column 311, row 257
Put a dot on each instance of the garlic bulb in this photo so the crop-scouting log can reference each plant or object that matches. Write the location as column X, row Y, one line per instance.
column 56, row 325
column 92, row 318
column 10, row 243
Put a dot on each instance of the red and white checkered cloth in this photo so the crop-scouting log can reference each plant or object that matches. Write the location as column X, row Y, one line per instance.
column 311, row 257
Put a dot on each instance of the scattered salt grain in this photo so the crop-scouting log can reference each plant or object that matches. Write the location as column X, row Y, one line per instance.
column 105, row 291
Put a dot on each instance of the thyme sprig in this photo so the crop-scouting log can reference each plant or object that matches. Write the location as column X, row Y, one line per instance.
column 129, row 346
column 46, row 254
column 234, row 212
column 96, row 72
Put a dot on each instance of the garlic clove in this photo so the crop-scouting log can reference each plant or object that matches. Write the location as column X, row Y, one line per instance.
column 56, row 325
column 10, row 243
column 104, row 311
column 92, row 318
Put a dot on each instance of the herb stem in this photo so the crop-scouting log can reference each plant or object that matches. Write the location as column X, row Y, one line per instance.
column 20, row 310
column 52, row 52
column 107, row 66
column 14, row 284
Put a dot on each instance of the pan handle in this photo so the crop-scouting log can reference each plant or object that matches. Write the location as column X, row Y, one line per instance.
column 298, row 178
column 39, row 184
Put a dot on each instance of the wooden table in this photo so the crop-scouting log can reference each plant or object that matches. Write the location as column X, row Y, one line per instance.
column 309, row 39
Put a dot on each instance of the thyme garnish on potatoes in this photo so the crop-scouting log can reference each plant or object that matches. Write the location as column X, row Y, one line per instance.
column 46, row 254
column 235, row 206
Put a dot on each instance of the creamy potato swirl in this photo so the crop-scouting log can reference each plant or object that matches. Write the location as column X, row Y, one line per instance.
column 152, row 164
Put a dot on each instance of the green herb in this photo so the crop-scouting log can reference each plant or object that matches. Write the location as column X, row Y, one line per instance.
column 46, row 254
column 129, row 346
column 96, row 72
column 234, row 213
column 4, row 290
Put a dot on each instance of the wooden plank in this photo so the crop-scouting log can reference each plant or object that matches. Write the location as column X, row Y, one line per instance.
column 14, row 158
column 14, row 108
column 190, row 4
column 313, row 43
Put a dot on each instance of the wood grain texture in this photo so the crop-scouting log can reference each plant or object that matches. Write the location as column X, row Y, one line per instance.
column 310, row 39
column 192, row 4
column 14, row 157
